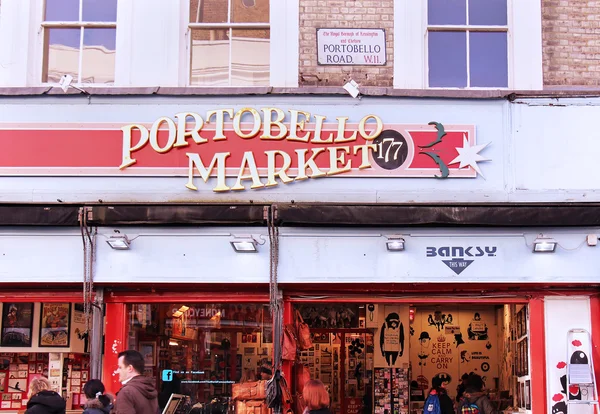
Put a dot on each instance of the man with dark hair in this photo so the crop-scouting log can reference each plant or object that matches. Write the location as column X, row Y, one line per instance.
column 137, row 394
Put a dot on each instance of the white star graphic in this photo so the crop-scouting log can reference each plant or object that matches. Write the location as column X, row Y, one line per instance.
column 469, row 155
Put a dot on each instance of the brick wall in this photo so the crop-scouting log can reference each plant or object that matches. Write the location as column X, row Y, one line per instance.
column 347, row 14
column 571, row 42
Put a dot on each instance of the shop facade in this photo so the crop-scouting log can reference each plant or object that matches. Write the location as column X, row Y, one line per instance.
column 384, row 224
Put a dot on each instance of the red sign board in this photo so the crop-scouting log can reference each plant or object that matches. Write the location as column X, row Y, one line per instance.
column 285, row 152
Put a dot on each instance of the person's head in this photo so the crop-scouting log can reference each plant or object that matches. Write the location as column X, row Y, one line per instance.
column 414, row 384
column 265, row 372
column 315, row 395
column 94, row 389
column 464, row 378
column 131, row 364
column 38, row 385
column 436, row 382
column 474, row 383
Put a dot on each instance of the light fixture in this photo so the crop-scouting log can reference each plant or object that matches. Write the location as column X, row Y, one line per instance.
column 180, row 311
column 244, row 244
column 173, row 342
column 352, row 88
column 119, row 242
column 544, row 244
column 395, row 244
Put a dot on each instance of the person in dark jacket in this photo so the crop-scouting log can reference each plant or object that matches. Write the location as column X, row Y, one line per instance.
column 137, row 394
column 97, row 401
column 42, row 400
column 460, row 390
column 437, row 388
column 475, row 394
column 316, row 398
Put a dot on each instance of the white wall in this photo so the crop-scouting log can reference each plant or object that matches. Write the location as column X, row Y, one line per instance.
column 204, row 255
column 41, row 255
column 562, row 314
column 555, row 148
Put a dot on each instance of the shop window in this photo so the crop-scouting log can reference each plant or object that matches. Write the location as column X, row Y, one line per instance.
column 229, row 43
column 201, row 350
column 467, row 43
column 42, row 339
column 80, row 40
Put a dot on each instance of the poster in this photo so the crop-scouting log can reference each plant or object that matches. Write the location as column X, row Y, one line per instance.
column 54, row 324
column 17, row 321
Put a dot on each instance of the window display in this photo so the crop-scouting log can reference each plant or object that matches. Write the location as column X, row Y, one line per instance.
column 201, row 350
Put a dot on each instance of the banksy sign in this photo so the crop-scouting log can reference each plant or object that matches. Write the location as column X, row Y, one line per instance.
column 259, row 148
column 458, row 258
column 351, row 47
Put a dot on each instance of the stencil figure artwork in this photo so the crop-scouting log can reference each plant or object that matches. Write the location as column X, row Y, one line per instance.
column 478, row 330
column 439, row 319
column 391, row 339
column 458, row 339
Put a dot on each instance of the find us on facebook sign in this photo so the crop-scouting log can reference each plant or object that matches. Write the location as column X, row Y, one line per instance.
column 351, row 47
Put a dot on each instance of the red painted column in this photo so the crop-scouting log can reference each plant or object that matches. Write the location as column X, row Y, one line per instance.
column 595, row 318
column 115, row 341
column 286, row 366
column 537, row 350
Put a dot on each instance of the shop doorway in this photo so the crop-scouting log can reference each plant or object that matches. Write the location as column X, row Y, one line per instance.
column 342, row 359
column 379, row 357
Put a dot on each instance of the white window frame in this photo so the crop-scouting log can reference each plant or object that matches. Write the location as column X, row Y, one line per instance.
column 80, row 24
column 283, row 42
column 525, row 71
column 150, row 34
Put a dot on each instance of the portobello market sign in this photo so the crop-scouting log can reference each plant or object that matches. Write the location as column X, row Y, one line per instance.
column 262, row 148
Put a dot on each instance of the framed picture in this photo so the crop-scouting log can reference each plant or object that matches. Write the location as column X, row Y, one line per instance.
column 17, row 323
column 148, row 350
column 55, row 322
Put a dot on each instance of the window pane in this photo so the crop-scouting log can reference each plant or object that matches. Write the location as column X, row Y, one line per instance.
column 208, row 11
column 255, row 11
column 447, row 59
column 61, row 54
column 201, row 349
column 487, row 12
column 210, row 58
column 489, row 62
column 99, row 10
column 446, row 12
column 62, row 10
column 98, row 56
column 250, row 58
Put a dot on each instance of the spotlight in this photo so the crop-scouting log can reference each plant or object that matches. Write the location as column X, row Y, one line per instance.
column 544, row 244
column 244, row 245
column 119, row 242
column 395, row 244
